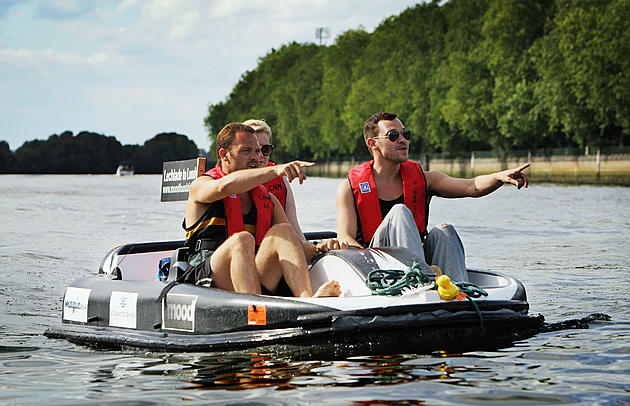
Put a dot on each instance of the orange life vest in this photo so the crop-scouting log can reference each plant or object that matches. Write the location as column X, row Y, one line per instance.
column 367, row 202
column 229, row 217
column 277, row 188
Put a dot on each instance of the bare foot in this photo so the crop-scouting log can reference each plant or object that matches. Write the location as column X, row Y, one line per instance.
column 328, row 289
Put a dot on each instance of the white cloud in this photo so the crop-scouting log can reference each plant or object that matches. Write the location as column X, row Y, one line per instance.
column 44, row 58
column 64, row 9
column 134, row 68
column 126, row 4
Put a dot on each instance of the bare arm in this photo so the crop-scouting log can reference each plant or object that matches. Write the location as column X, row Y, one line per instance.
column 440, row 184
column 346, row 215
column 291, row 211
column 204, row 189
column 279, row 216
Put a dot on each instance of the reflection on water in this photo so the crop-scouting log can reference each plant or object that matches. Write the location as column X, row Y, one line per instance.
column 256, row 370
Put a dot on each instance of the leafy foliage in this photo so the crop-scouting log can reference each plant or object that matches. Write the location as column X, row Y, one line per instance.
column 93, row 153
column 463, row 75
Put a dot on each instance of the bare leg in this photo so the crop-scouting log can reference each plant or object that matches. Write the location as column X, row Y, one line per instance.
column 281, row 254
column 233, row 266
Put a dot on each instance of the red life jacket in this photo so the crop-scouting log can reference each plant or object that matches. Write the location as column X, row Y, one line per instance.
column 234, row 213
column 277, row 187
column 367, row 202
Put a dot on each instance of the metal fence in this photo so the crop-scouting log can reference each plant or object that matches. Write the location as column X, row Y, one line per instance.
column 571, row 151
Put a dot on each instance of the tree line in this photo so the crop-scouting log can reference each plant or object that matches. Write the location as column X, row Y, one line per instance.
column 464, row 75
column 92, row 153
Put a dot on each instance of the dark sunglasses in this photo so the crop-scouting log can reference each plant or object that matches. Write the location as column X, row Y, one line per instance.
column 266, row 149
column 394, row 134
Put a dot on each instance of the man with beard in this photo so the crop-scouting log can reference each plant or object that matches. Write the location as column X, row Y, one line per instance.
column 237, row 233
column 385, row 202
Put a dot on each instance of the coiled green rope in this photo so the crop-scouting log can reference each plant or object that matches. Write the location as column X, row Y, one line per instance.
column 393, row 281
column 470, row 289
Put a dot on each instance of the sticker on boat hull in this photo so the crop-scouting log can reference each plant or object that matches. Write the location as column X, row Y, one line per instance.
column 257, row 315
column 75, row 304
column 178, row 312
column 123, row 309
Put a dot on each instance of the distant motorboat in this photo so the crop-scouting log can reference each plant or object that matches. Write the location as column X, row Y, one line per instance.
column 124, row 170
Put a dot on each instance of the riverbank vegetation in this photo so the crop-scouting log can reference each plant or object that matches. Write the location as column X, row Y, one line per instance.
column 465, row 75
column 93, row 153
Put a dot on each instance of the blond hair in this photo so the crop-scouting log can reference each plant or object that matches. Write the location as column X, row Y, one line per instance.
column 259, row 125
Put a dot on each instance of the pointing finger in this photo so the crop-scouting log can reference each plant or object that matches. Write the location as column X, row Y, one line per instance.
column 522, row 167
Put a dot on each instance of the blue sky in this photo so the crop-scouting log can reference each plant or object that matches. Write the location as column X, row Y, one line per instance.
column 133, row 68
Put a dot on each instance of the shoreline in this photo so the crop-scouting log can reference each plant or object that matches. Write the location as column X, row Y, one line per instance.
column 599, row 169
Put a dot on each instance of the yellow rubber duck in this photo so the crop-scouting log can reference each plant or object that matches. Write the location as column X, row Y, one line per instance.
column 446, row 289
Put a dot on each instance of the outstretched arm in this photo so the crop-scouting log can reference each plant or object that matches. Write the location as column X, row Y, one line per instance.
column 440, row 184
column 207, row 190
column 346, row 215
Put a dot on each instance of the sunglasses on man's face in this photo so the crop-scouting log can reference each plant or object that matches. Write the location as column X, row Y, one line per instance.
column 266, row 149
column 394, row 134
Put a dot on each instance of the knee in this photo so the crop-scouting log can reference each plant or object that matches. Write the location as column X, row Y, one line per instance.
column 444, row 227
column 243, row 241
column 400, row 211
column 400, row 208
column 443, row 232
column 447, row 228
column 282, row 229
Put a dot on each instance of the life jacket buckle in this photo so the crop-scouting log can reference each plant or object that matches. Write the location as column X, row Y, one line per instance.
column 198, row 245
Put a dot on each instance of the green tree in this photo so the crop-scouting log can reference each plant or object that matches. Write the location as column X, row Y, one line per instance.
column 86, row 153
column 7, row 159
column 509, row 30
column 163, row 147
column 465, row 84
column 336, row 138
column 584, row 61
column 462, row 74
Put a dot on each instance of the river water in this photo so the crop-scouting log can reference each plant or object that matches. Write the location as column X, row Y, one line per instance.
column 569, row 245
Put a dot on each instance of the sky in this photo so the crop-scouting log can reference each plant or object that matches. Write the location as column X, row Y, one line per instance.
column 136, row 68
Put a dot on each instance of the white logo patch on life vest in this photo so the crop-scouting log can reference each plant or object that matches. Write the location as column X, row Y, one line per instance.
column 365, row 187
column 233, row 196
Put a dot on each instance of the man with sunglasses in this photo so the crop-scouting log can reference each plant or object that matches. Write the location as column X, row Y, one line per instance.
column 238, row 235
column 385, row 201
column 281, row 188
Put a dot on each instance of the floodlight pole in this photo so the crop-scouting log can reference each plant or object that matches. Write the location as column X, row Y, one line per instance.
column 321, row 33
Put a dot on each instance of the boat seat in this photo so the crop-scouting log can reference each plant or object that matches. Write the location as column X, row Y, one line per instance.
column 179, row 263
